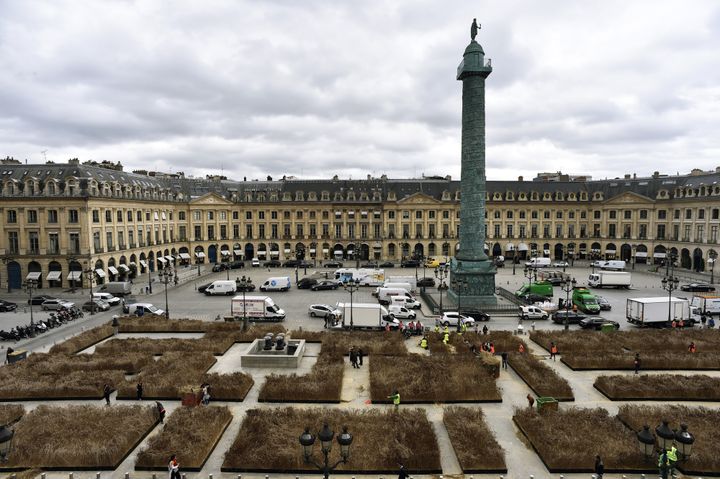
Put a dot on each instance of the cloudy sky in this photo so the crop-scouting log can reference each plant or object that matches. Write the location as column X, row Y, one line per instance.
column 315, row 88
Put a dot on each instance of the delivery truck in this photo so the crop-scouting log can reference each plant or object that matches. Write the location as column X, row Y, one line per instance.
column 585, row 300
column 117, row 288
column 365, row 316
column 543, row 288
column 256, row 308
column 411, row 280
column 364, row 276
column 707, row 304
column 609, row 279
column 538, row 263
column 654, row 311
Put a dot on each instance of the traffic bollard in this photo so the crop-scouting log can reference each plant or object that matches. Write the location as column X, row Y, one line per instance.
column 209, row 476
column 97, row 475
column 127, row 475
column 70, row 476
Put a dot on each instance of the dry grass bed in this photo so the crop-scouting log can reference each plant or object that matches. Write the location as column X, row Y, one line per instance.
column 83, row 340
column 542, row 379
column 568, row 440
column 228, row 387
column 268, row 441
column 322, row 384
column 473, row 441
column 191, row 433
column 701, row 423
column 79, row 437
column 155, row 324
column 663, row 349
column 660, row 386
column 170, row 376
column 340, row 342
column 10, row 413
column 57, row 376
column 431, row 379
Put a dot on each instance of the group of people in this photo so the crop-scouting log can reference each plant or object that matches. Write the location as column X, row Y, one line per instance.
column 356, row 357
column 411, row 328
column 666, row 462
column 706, row 321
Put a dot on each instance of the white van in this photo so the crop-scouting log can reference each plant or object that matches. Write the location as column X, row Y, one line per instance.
column 405, row 286
column 221, row 287
column 385, row 294
column 613, row 265
column 400, row 312
column 139, row 309
column 279, row 283
column 405, row 301
column 538, row 263
column 111, row 300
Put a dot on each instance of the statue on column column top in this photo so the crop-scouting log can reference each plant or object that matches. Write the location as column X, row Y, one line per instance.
column 474, row 29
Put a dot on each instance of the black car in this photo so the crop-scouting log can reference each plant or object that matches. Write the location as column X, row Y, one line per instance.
column 245, row 286
column 333, row 264
column 387, row 264
column 306, row 283
column 305, row 264
column 532, row 298
column 36, row 300
column 291, row 263
column 370, row 264
column 572, row 317
column 698, row 287
column 7, row 305
column 426, row 282
column 597, row 322
column 603, row 303
column 272, row 263
column 237, row 264
column 410, row 263
column 219, row 267
column 476, row 314
column 555, row 280
column 326, row 284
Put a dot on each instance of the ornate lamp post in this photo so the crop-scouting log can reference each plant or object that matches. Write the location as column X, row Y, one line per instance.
column 6, row 259
column 166, row 276
column 71, row 260
column 633, row 249
column 665, row 435
column 567, row 286
column 307, row 441
column 711, row 260
column 351, row 286
column 30, row 285
column 529, row 273
column 149, row 279
column 670, row 284
column 685, row 440
column 513, row 260
column 441, row 273
column 6, row 439
column 90, row 275
column 646, row 441
column 461, row 286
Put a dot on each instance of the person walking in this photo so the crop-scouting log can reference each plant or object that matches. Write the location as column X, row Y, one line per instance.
column 663, row 464
column 139, row 389
column 403, row 473
column 553, row 351
column 174, row 467
column 599, row 467
column 530, row 400
column 504, row 356
column 692, row 348
column 205, row 397
column 353, row 357
column 395, row 399
column 446, row 338
column 161, row 411
column 671, row 460
column 485, row 329
column 106, row 394
column 360, row 356
column 636, row 363
column 521, row 348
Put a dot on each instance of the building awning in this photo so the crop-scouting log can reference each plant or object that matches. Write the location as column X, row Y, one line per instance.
column 169, row 258
column 112, row 270
column 143, row 263
column 659, row 255
column 123, row 268
column 287, row 250
column 325, row 250
column 485, row 247
column 184, row 256
column 100, row 273
column 312, row 250
column 225, row 252
column 34, row 275
column 546, row 251
column 238, row 252
column 509, row 247
column 161, row 259
column 582, row 251
column 349, row 250
column 74, row 275
column 132, row 263
column 54, row 276
column 522, row 247
column 641, row 254
column 610, row 251
column 363, row 212
column 274, row 253
column 199, row 254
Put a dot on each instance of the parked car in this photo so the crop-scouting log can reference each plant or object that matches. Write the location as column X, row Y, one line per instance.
column 698, row 287
column 572, row 317
column 532, row 298
column 561, row 264
column 272, row 263
column 325, row 284
column 306, row 283
column 7, row 305
column 291, row 263
column 476, row 314
column 409, row 263
column 255, row 263
column 555, row 280
column 237, row 264
column 96, row 305
column 369, row 264
column 596, row 322
column 321, row 310
column 333, row 264
column 450, row 318
column 305, row 264
column 532, row 312
column 246, row 286
column 426, row 282
column 217, row 267
column 387, row 264
column 40, row 299
column 604, row 303
column 108, row 298
column 55, row 304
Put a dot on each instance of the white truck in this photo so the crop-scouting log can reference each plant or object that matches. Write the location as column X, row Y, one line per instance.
column 385, row 296
column 278, row 283
column 257, row 308
column 365, row 276
column 365, row 316
column 538, row 263
column 221, row 287
column 654, row 311
column 411, row 280
column 614, row 265
column 706, row 304
column 610, row 279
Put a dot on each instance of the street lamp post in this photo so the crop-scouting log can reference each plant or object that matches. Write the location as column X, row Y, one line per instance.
column 670, row 283
column 633, row 249
column 351, row 286
column 89, row 273
column 441, row 273
column 6, row 259
column 197, row 262
column 514, row 261
column 149, row 279
column 307, row 440
column 30, row 285
column 166, row 276
column 71, row 260
column 528, row 272
column 712, row 260
column 567, row 286
column 6, row 439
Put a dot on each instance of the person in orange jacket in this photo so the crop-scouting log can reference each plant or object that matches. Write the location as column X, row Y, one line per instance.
column 521, row 348
column 692, row 348
column 553, row 351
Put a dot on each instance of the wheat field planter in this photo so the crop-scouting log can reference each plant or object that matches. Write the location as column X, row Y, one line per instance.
column 472, row 440
column 268, row 441
column 661, row 387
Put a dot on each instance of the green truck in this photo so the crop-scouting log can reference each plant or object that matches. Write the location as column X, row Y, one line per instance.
column 542, row 288
column 585, row 300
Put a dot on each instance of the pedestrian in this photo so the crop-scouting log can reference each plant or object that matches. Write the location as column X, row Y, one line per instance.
column 205, row 397
column 161, row 411
column 521, row 348
column 106, row 394
column 353, row 357
column 533, row 326
column 139, row 389
column 553, row 351
column 530, row 400
column 663, row 464
column 711, row 322
column 446, row 338
column 504, row 356
column 174, row 467
column 7, row 354
column 360, row 356
column 115, row 325
column 636, row 363
column 491, row 348
column 671, row 459
column 395, row 399
column 424, row 342
column 703, row 320
column 599, row 467
column 485, row 329
column 147, row 289
column 692, row 348
column 327, row 320
column 403, row 473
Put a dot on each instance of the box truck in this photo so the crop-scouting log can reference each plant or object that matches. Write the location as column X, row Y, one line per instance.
column 706, row 304
column 365, row 316
column 117, row 288
column 543, row 288
column 654, row 311
column 221, row 287
column 365, row 276
column 411, row 280
column 279, row 283
column 585, row 300
column 538, row 263
column 257, row 308
column 615, row 265
column 610, row 279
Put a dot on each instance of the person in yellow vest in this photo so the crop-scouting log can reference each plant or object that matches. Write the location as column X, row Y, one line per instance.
column 424, row 343
column 463, row 327
column 663, row 464
column 446, row 330
column 672, row 459
column 446, row 338
column 395, row 399
column 437, row 328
